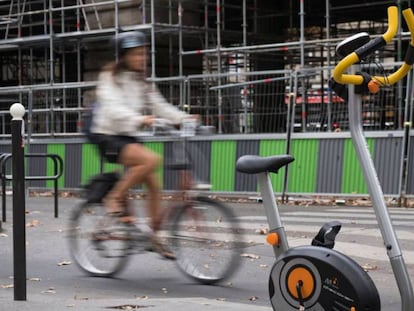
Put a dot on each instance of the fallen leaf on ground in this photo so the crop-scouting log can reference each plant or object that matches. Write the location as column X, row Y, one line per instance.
column 145, row 297
column 33, row 223
column 262, row 231
column 251, row 256
column 51, row 290
column 7, row 285
column 368, row 267
column 127, row 307
column 64, row 263
column 81, row 298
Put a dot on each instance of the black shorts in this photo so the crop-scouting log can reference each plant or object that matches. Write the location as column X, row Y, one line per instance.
column 110, row 146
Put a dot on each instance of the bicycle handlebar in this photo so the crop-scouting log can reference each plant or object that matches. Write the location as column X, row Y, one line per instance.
column 188, row 126
column 374, row 82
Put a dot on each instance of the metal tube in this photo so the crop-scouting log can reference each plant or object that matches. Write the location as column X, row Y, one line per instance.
column 180, row 59
column 302, row 34
column 116, row 26
column 208, row 69
column 267, row 80
column 245, row 92
column 272, row 212
column 328, row 61
column 19, row 222
column 219, row 99
column 381, row 211
column 405, row 155
column 153, row 74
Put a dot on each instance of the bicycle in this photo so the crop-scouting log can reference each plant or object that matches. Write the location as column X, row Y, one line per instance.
column 317, row 277
column 203, row 233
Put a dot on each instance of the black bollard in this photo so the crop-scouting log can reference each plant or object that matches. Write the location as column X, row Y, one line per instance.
column 19, row 205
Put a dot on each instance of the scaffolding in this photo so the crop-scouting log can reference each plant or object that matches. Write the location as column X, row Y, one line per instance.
column 222, row 59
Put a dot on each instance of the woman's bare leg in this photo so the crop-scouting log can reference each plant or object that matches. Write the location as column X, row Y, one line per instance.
column 140, row 162
column 154, row 200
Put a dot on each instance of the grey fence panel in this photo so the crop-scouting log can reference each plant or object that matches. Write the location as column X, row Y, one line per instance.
column 200, row 152
column 196, row 154
column 246, row 182
column 37, row 166
column 73, row 167
column 410, row 170
column 330, row 166
column 387, row 160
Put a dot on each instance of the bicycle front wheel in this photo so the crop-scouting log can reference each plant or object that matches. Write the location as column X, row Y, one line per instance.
column 99, row 244
column 206, row 240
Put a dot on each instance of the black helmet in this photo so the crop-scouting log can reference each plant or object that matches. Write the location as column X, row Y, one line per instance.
column 131, row 39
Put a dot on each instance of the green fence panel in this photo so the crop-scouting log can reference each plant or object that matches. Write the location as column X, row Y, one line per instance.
column 353, row 181
column 223, row 165
column 91, row 162
column 58, row 149
column 303, row 171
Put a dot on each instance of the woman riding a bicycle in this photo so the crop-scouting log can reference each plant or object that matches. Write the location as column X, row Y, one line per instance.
column 127, row 103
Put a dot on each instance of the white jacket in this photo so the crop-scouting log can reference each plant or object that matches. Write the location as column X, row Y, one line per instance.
column 120, row 106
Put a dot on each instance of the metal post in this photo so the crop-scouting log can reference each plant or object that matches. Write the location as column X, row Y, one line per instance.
column 328, row 60
column 153, row 74
column 245, row 96
column 207, row 62
column 302, row 63
column 19, row 217
column 406, row 139
column 180, row 49
column 220, row 99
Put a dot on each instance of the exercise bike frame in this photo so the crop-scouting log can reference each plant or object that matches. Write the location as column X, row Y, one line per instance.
column 356, row 84
column 354, row 51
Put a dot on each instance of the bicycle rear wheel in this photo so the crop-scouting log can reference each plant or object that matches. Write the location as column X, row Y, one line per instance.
column 206, row 240
column 99, row 244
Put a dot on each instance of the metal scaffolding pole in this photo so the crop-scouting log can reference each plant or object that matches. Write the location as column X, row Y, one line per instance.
column 207, row 63
column 153, row 74
column 302, row 34
column 328, row 60
column 180, row 48
column 280, row 46
column 245, row 92
column 220, row 99
column 302, row 62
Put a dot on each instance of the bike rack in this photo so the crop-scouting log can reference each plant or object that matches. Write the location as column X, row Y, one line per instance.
column 58, row 171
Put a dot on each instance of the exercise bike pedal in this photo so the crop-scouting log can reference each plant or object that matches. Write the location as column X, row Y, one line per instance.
column 327, row 234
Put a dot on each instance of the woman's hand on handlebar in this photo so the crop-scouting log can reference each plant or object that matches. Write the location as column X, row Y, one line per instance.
column 148, row 121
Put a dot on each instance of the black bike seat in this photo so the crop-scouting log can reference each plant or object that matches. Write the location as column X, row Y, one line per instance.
column 253, row 164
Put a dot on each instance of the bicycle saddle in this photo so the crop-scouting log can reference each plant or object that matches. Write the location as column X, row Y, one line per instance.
column 253, row 164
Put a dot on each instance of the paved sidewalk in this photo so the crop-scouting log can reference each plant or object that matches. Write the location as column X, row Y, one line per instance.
column 42, row 303
column 152, row 283
column 56, row 283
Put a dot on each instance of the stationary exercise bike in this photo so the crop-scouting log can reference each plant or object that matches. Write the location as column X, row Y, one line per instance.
column 317, row 277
